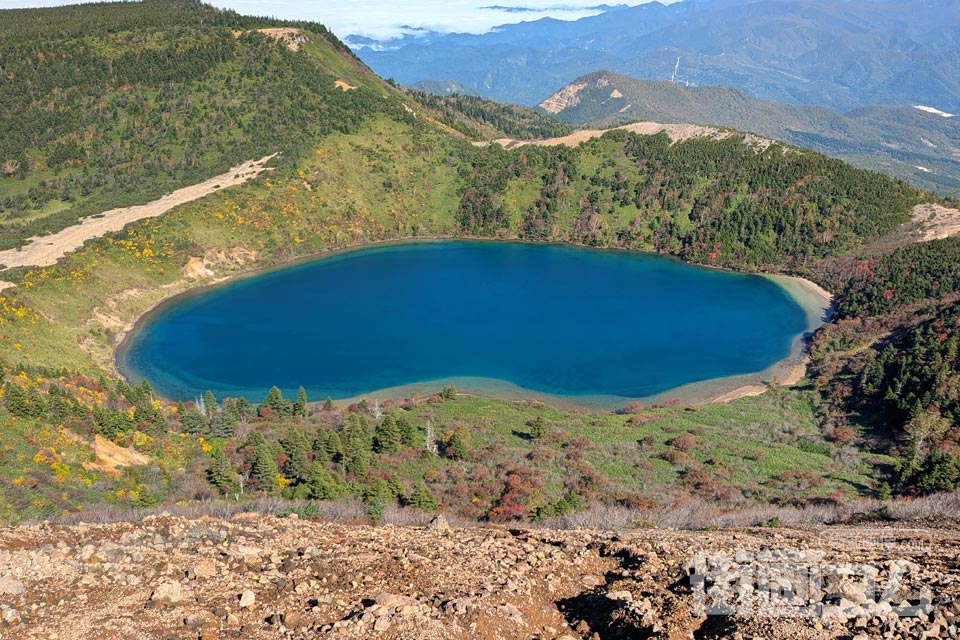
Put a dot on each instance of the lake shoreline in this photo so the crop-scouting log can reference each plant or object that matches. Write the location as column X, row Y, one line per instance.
column 813, row 299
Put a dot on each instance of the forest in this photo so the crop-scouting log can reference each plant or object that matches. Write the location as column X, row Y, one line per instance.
column 720, row 202
column 888, row 364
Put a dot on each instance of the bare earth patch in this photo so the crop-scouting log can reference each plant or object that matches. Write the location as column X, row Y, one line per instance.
column 935, row 221
column 289, row 36
column 255, row 577
column 677, row 133
column 46, row 250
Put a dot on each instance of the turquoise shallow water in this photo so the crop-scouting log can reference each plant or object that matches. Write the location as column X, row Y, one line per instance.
column 556, row 320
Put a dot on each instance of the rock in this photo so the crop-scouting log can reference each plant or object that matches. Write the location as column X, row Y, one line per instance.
column 10, row 617
column 292, row 619
column 87, row 553
column 203, row 570
column 168, row 593
column 247, row 599
column 10, row 586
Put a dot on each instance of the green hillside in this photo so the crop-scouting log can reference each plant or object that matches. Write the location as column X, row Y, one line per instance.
column 119, row 105
column 182, row 98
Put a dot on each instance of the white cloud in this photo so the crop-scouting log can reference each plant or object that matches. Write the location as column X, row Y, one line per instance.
column 381, row 19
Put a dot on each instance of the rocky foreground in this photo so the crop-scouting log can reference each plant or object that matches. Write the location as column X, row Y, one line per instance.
column 265, row 577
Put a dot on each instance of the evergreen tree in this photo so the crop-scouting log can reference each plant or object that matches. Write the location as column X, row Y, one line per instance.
column 221, row 473
column 300, row 406
column 221, row 426
column 397, row 490
column 538, row 428
column 297, row 448
column 278, row 405
column 357, row 444
column 321, row 484
column 328, row 404
column 389, row 436
column 263, row 471
column 409, row 434
column 111, row 423
column 422, row 498
column 333, row 447
column 210, row 406
column 456, row 443
column 24, row 403
column 195, row 423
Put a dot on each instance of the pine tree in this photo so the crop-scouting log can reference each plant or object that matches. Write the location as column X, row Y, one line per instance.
column 210, row 406
column 328, row 404
column 221, row 426
column 397, row 490
column 538, row 428
column 300, row 406
column 275, row 401
column 195, row 423
column 263, row 470
column 357, row 444
column 221, row 473
column 389, row 437
column 297, row 448
column 24, row 403
column 409, row 434
column 422, row 498
column 333, row 447
column 456, row 443
column 321, row 484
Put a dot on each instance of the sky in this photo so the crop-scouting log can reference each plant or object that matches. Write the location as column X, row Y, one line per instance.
column 383, row 19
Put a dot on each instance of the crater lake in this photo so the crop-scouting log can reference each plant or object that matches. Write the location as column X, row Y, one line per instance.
column 591, row 327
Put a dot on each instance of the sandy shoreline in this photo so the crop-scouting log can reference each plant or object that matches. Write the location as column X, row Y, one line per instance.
column 46, row 250
column 817, row 303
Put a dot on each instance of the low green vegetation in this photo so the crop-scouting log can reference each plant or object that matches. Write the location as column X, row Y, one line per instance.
column 480, row 458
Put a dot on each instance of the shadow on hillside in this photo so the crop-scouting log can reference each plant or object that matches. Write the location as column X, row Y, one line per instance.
column 592, row 612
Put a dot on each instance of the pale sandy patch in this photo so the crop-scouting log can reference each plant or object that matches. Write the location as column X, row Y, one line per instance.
column 289, row 36
column 108, row 456
column 677, row 133
column 793, row 376
column 935, row 221
column 46, row 250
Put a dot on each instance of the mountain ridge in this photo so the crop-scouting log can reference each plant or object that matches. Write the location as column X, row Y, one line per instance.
column 892, row 53
column 906, row 142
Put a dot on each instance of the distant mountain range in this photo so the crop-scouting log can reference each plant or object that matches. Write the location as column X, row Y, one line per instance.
column 842, row 54
column 914, row 144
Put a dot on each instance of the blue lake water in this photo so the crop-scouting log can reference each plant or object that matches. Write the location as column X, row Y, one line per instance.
column 556, row 320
